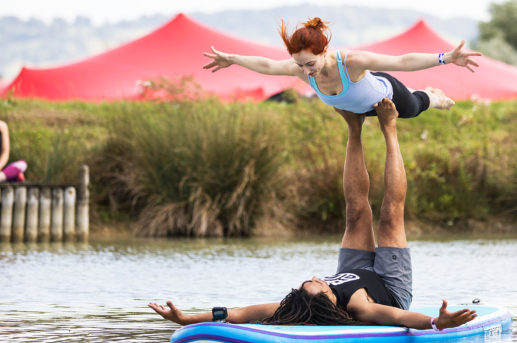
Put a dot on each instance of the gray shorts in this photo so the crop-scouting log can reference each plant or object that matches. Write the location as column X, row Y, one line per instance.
column 393, row 265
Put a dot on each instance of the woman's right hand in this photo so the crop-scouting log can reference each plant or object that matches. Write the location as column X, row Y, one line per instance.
column 220, row 60
column 172, row 313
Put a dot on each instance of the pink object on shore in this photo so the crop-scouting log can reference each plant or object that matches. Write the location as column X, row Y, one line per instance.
column 14, row 169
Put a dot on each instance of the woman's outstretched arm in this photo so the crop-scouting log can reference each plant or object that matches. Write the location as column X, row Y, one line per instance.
column 238, row 315
column 262, row 65
column 413, row 61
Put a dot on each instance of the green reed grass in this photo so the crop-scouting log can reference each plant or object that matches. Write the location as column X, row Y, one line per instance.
column 210, row 169
column 193, row 169
column 53, row 140
column 459, row 163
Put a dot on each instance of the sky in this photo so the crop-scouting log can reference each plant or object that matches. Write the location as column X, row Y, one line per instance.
column 101, row 11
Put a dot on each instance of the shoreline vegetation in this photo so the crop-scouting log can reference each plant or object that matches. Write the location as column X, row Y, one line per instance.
column 210, row 169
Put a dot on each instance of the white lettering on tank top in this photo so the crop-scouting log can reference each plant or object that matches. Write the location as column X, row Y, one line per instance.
column 339, row 279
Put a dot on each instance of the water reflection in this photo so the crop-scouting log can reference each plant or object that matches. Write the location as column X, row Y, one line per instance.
column 97, row 292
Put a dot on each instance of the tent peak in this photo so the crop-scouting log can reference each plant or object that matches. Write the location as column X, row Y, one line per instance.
column 422, row 29
column 421, row 23
column 181, row 16
column 24, row 69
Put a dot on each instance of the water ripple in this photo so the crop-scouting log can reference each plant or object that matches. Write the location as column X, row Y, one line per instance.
column 98, row 292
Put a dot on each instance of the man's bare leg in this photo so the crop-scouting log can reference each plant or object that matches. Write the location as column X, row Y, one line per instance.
column 391, row 228
column 356, row 184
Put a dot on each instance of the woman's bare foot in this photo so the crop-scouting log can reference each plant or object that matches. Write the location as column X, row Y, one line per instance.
column 386, row 113
column 438, row 99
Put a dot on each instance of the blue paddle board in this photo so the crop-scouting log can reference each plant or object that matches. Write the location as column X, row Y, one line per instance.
column 492, row 322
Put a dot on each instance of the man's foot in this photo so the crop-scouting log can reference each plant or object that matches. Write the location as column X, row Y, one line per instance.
column 438, row 99
column 386, row 112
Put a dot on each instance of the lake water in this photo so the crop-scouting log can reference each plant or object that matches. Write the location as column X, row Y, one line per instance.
column 98, row 292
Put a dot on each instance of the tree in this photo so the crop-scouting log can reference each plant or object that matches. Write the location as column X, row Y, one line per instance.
column 497, row 48
column 498, row 36
column 503, row 20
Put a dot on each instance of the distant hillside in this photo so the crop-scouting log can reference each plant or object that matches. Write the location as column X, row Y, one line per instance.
column 351, row 25
column 34, row 43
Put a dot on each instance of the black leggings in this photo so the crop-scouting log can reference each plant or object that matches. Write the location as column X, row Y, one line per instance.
column 408, row 104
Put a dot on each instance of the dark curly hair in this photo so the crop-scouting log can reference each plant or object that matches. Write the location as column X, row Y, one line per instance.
column 300, row 307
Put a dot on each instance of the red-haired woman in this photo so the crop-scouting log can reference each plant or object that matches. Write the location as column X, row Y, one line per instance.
column 343, row 79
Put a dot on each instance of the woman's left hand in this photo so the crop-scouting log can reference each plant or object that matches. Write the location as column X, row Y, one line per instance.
column 463, row 58
column 448, row 319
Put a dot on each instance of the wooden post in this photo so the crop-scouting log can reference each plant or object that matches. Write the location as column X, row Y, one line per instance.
column 69, row 213
column 56, row 220
column 31, row 221
column 7, row 212
column 83, row 199
column 44, row 214
column 20, row 202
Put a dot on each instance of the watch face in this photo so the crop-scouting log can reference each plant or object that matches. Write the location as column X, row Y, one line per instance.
column 219, row 313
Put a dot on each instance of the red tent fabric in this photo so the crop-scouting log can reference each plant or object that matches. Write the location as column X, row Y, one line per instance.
column 173, row 50
column 492, row 80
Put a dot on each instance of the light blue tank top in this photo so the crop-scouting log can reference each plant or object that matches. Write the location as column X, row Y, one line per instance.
column 357, row 97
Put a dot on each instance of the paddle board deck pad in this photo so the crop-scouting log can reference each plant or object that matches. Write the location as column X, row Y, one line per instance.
column 492, row 322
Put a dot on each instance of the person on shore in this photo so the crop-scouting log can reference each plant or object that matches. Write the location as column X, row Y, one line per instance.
column 342, row 79
column 14, row 171
column 372, row 285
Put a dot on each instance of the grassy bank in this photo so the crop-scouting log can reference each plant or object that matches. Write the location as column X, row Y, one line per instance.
column 210, row 169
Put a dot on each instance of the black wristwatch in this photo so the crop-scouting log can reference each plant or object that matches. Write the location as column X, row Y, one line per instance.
column 219, row 314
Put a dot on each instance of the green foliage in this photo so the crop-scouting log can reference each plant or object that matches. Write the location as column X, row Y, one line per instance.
column 195, row 169
column 503, row 19
column 497, row 47
column 54, row 146
column 314, row 190
column 498, row 36
column 208, row 168
column 53, row 156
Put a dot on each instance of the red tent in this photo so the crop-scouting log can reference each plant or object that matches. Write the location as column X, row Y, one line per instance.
column 3, row 86
column 173, row 50
column 492, row 80
column 176, row 48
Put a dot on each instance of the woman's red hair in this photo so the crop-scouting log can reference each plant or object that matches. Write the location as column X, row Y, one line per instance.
column 314, row 35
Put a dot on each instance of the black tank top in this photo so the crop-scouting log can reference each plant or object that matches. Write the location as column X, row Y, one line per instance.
column 344, row 285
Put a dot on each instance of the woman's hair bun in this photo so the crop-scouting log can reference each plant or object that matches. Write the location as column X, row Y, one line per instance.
column 315, row 23
column 314, row 35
